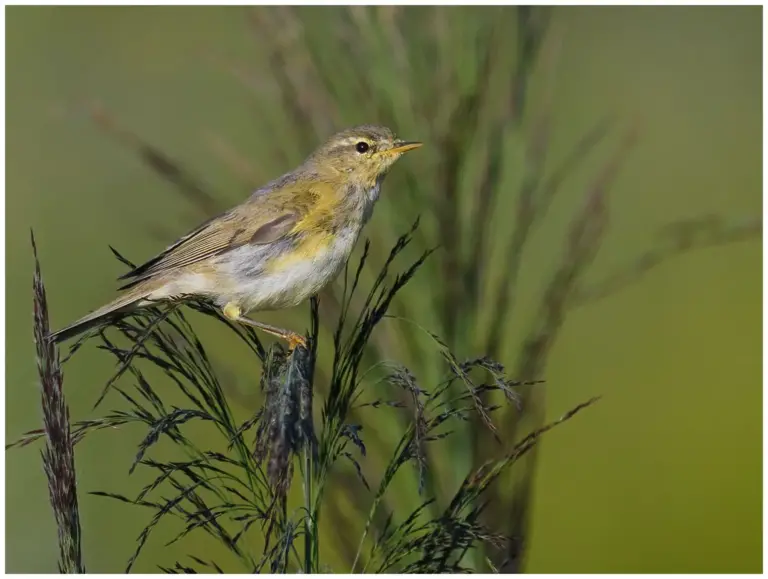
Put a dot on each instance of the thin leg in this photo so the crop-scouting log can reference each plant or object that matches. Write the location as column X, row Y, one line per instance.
column 232, row 312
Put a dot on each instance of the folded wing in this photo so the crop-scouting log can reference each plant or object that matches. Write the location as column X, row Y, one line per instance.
column 216, row 236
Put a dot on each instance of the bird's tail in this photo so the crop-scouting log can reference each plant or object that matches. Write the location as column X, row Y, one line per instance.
column 99, row 317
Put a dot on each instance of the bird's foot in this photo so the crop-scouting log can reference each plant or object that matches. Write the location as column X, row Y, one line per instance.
column 233, row 312
column 294, row 340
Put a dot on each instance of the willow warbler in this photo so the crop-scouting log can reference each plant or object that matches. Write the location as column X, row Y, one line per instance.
column 279, row 247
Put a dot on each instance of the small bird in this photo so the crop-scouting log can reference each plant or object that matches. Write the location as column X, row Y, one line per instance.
column 279, row 247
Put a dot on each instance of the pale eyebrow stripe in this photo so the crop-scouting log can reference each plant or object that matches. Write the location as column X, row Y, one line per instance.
column 352, row 141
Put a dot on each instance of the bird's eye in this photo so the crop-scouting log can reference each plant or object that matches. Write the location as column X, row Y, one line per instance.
column 362, row 147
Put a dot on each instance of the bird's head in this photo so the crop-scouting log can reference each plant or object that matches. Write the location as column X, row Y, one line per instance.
column 361, row 155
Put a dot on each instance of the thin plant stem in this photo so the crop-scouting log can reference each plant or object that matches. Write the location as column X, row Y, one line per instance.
column 309, row 534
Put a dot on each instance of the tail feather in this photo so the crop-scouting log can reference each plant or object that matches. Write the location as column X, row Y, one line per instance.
column 97, row 317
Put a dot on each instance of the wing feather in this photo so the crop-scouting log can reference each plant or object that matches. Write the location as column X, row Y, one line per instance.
column 215, row 237
column 269, row 215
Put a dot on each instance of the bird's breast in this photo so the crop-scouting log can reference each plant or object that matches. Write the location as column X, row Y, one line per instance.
column 295, row 272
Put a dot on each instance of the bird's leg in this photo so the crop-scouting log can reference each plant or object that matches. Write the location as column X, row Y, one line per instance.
column 292, row 338
column 232, row 312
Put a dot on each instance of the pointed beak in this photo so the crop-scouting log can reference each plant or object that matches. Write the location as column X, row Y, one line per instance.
column 403, row 146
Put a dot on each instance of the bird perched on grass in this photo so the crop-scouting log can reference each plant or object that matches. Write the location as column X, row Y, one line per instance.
column 276, row 249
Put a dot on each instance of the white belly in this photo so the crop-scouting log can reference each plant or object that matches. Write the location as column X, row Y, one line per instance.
column 286, row 287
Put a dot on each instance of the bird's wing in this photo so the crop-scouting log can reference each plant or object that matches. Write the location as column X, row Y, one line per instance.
column 254, row 222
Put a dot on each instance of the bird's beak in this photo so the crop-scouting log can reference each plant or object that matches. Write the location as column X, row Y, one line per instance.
column 403, row 146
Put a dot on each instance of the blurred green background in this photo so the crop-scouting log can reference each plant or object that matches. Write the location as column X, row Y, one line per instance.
column 663, row 475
